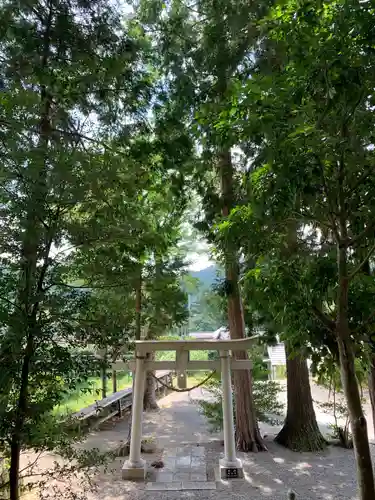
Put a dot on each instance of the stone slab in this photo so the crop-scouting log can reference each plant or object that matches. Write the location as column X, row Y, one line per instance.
column 175, row 486
column 197, row 461
column 198, row 477
column 198, row 451
column 197, row 470
column 181, row 486
column 196, row 485
column 184, row 461
column 184, row 468
column 164, row 477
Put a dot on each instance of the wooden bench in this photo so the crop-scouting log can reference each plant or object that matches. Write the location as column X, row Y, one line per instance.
column 115, row 404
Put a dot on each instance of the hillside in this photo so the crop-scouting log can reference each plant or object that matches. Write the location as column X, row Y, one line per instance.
column 207, row 276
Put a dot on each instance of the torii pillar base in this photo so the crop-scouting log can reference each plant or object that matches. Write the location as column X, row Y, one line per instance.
column 134, row 472
column 230, row 470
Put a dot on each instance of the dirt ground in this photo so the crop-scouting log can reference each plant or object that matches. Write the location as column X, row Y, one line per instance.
column 327, row 476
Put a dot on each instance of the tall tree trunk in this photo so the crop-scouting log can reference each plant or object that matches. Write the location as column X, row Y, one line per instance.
column 114, row 381
column 149, row 398
column 31, row 282
column 300, row 431
column 358, row 423
column 104, row 381
column 371, row 387
column 248, row 436
column 16, row 440
column 371, row 368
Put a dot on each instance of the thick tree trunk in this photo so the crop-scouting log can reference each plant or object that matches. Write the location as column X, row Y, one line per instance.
column 371, row 387
column 365, row 475
column 300, row 431
column 248, row 437
column 149, row 398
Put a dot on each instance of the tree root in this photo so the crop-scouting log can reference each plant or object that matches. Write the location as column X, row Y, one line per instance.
column 301, row 439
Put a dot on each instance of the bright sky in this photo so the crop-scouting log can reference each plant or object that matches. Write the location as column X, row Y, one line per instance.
column 200, row 261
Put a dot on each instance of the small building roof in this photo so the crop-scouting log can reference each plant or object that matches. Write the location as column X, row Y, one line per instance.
column 221, row 333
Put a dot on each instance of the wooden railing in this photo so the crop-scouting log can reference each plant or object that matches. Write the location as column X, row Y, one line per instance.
column 116, row 404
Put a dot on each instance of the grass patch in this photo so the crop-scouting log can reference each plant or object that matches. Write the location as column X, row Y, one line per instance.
column 194, row 378
column 89, row 392
column 165, row 355
column 198, row 355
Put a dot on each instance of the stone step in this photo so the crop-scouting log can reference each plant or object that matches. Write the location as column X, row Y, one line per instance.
column 181, row 486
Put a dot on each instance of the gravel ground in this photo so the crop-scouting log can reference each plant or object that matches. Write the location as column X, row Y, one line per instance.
column 268, row 475
column 327, row 476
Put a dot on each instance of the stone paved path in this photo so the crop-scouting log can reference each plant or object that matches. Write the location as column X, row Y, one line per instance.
column 184, row 468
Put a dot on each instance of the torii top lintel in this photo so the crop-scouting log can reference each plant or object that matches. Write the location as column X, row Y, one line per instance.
column 147, row 346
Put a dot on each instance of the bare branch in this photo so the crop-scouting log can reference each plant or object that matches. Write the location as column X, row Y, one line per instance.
column 79, row 137
column 365, row 323
column 313, row 219
column 361, row 264
column 361, row 179
column 366, row 232
column 13, row 304
column 323, row 318
column 87, row 287
column 331, row 214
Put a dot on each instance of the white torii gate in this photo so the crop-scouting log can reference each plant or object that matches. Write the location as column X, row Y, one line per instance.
column 230, row 465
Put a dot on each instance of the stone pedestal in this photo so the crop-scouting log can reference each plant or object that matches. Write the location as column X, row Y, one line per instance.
column 230, row 470
column 134, row 471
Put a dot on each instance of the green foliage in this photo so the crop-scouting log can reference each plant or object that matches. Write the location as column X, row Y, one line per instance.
column 208, row 312
column 88, row 392
column 267, row 406
column 265, row 392
column 102, row 147
column 260, row 368
column 328, row 375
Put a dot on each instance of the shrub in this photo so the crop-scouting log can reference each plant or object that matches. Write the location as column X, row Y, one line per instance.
column 267, row 405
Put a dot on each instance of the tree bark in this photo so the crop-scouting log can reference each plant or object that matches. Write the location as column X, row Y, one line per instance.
column 371, row 387
column 300, row 431
column 103, row 376
column 248, row 437
column 365, row 475
column 371, row 369
column 104, row 382
column 114, row 381
column 149, row 398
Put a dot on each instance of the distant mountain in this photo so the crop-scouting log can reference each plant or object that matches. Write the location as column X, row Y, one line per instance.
column 207, row 276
